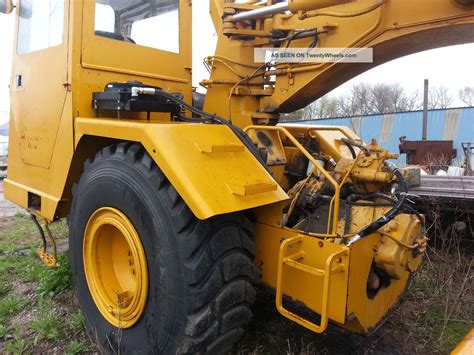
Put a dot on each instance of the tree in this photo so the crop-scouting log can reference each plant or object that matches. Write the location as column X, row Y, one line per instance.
column 385, row 98
column 439, row 97
column 466, row 95
column 411, row 102
column 365, row 99
column 356, row 103
column 324, row 107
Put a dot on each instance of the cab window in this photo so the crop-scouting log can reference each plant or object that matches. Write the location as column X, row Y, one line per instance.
column 153, row 23
column 41, row 25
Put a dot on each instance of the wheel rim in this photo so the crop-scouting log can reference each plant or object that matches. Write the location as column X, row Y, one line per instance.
column 115, row 267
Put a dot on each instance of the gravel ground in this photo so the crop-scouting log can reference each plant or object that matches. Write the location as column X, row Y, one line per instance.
column 7, row 209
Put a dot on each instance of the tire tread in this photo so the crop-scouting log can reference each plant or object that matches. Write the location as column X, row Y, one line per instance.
column 217, row 258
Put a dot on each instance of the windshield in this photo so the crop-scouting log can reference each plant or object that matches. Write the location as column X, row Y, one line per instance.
column 150, row 23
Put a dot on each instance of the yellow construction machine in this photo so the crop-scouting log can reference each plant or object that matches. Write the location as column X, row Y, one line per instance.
column 176, row 211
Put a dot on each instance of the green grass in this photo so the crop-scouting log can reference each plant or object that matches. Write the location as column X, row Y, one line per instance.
column 47, row 323
column 20, row 233
column 19, row 344
column 439, row 312
column 3, row 331
column 55, row 280
column 4, row 288
column 76, row 347
column 76, row 323
column 9, row 306
column 19, row 264
column 27, row 267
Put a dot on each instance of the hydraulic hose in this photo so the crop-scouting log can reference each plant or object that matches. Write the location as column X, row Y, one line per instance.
column 390, row 215
column 40, row 230
column 350, row 147
column 243, row 137
column 351, row 144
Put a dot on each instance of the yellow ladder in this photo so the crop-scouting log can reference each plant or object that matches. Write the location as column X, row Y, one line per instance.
column 293, row 261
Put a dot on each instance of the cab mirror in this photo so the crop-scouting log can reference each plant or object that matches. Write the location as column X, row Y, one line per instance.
column 6, row 6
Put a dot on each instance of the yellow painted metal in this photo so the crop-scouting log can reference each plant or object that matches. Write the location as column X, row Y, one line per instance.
column 466, row 346
column 52, row 132
column 115, row 267
column 332, row 223
column 49, row 259
column 330, row 140
column 197, row 173
column 306, row 5
column 397, row 253
column 108, row 55
column 295, row 261
column 392, row 28
column 307, row 285
column 364, row 314
column 350, row 306
column 44, row 108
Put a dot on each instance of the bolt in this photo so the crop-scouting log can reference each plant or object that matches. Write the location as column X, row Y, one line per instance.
column 129, row 253
column 133, row 272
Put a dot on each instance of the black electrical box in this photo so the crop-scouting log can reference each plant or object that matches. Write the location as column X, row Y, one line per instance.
column 118, row 97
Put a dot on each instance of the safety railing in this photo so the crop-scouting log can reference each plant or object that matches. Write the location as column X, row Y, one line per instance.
column 334, row 204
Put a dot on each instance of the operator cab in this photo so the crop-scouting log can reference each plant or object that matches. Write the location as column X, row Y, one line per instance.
column 139, row 22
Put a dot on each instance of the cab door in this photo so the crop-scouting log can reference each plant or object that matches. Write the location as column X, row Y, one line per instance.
column 39, row 78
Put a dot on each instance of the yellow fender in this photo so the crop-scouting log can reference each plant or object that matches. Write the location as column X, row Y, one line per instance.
column 207, row 164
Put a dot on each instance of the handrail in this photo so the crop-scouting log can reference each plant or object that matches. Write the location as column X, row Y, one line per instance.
column 335, row 201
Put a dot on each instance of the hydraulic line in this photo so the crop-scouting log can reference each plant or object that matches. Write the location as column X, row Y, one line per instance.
column 352, row 143
column 40, row 230
column 243, row 137
column 351, row 149
column 390, row 215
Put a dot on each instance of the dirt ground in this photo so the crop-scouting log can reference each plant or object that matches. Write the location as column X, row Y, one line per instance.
column 39, row 314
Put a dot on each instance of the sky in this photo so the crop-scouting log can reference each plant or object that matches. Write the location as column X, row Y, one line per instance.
column 451, row 66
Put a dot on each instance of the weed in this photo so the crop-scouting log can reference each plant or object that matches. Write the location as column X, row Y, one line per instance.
column 4, row 289
column 19, row 344
column 76, row 347
column 47, row 323
column 3, row 331
column 76, row 323
column 56, row 280
column 9, row 306
column 24, row 268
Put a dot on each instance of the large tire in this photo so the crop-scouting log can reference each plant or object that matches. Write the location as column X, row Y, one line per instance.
column 200, row 272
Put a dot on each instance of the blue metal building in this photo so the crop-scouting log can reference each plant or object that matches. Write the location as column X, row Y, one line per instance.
column 455, row 124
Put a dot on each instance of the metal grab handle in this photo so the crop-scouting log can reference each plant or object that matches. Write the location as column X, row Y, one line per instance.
column 326, row 273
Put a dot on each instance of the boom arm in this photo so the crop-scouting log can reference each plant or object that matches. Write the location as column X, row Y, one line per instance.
column 248, row 93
